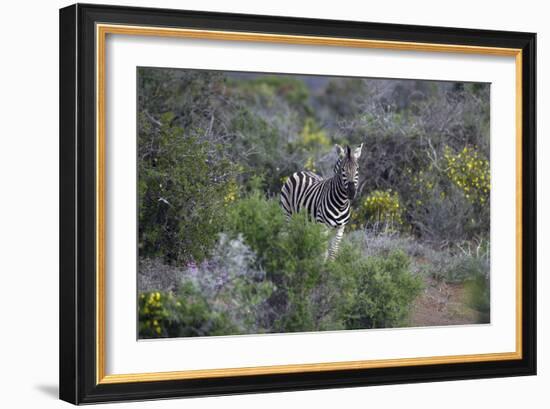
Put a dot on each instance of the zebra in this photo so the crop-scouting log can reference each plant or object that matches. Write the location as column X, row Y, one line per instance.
column 326, row 201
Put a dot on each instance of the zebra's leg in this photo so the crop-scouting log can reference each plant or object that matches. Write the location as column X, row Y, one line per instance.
column 335, row 244
column 287, row 217
column 326, row 232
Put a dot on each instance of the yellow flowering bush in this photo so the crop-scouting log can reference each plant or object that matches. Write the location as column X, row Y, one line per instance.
column 312, row 135
column 153, row 311
column 232, row 193
column 310, row 164
column 470, row 172
column 421, row 185
column 381, row 208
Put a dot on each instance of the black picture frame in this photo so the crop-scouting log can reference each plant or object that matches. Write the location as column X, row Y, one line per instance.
column 78, row 312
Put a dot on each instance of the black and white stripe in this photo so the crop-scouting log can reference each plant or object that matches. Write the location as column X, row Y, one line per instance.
column 327, row 200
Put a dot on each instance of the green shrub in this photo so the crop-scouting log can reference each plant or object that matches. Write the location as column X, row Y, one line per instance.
column 183, row 188
column 292, row 255
column 260, row 222
column 292, row 90
column 310, row 295
column 298, row 274
column 477, row 294
column 374, row 292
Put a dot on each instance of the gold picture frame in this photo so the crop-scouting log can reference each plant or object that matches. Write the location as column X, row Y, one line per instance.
column 99, row 21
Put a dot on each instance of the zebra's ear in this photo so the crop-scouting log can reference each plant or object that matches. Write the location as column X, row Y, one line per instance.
column 348, row 151
column 339, row 150
column 357, row 151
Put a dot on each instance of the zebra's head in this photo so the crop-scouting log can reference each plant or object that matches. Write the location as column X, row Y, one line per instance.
column 348, row 168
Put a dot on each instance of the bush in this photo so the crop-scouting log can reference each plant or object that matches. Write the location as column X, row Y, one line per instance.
column 374, row 292
column 298, row 273
column 462, row 268
column 351, row 292
column 457, row 267
column 268, row 275
column 413, row 130
column 470, row 172
column 233, row 285
column 185, row 315
column 292, row 255
column 182, row 189
column 477, row 292
column 380, row 210
column 260, row 222
column 153, row 312
column 270, row 115
column 227, row 282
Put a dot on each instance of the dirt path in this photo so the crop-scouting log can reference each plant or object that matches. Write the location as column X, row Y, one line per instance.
column 441, row 304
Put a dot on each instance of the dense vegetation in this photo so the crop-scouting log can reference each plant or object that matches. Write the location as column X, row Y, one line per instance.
column 216, row 254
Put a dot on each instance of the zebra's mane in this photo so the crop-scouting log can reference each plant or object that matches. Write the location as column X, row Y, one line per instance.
column 314, row 176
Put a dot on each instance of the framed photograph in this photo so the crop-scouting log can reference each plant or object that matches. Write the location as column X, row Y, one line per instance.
column 257, row 203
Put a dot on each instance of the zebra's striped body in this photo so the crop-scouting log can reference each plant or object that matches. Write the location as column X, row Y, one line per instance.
column 327, row 201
